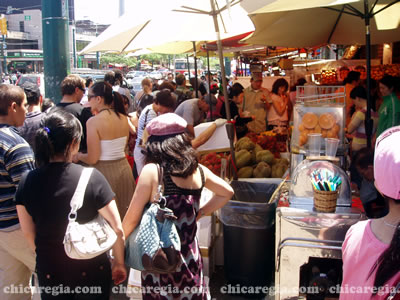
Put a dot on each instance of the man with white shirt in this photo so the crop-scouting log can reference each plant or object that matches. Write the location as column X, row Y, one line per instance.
column 255, row 102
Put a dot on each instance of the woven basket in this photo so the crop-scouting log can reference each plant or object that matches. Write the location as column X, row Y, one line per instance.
column 325, row 201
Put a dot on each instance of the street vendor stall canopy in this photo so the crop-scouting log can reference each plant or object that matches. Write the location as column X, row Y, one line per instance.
column 309, row 23
column 292, row 23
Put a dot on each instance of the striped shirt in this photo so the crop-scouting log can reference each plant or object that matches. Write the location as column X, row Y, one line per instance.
column 16, row 158
column 146, row 116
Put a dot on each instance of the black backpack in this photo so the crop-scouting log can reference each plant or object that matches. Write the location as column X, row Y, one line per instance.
column 181, row 97
column 144, row 100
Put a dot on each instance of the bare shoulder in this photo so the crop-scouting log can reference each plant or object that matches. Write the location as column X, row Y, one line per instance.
column 149, row 171
column 92, row 121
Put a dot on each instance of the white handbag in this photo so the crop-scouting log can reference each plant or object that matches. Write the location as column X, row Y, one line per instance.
column 85, row 241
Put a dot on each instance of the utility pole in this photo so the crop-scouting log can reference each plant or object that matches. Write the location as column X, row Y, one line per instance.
column 74, row 47
column 3, row 31
column 55, row 46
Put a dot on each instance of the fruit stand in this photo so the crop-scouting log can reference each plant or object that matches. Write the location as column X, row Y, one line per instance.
column 257, row 156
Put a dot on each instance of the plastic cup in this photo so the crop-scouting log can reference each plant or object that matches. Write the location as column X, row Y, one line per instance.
column 314, row 144
column 331, row 146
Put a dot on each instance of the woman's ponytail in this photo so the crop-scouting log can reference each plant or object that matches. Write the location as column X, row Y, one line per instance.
column 43, row 147
column 60, row 129
column 118, row 103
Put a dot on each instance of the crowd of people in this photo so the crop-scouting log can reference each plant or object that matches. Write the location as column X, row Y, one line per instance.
column 44, row 148
column 43, row 153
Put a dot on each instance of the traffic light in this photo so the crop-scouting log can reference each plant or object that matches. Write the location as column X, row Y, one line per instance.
column 3, row 25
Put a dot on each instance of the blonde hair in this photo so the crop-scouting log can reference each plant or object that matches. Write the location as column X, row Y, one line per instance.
column 146, row 85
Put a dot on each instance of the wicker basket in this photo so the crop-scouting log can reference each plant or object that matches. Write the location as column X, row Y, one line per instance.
column 325, row 201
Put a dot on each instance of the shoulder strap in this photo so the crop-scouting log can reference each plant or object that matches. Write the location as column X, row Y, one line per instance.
column 145, row 119
column 141, row 97
column 203, row 181
column 77, row 198
column 158, row 198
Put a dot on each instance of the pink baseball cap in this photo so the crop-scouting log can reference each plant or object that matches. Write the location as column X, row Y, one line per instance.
column 166, row 124
column 387, row 163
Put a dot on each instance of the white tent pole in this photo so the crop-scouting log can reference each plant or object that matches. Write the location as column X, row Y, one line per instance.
column 229, row 126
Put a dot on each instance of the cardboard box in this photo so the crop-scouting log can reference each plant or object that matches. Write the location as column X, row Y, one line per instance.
column 218, row 142
column 286, row 63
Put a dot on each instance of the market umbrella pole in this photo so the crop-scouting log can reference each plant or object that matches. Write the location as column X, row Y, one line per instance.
column 209, row 83
column 368, row 120
column 229, row 126
column 187, row 59
column 195, row 70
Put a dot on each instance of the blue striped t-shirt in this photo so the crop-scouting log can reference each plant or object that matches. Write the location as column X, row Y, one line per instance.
column 146, row 116
column 16, row 158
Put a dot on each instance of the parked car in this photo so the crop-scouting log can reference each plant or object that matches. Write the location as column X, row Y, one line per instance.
column 141, row 74
column 136, row 84
column 37, row 79
column 155, row 75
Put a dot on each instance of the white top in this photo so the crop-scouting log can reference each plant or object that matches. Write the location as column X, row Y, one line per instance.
column 113, row 149
column 272, row 116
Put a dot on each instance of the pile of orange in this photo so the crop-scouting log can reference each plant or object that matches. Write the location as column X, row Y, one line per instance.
column 326, row 124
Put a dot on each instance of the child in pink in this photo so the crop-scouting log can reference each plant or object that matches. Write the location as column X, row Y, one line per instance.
column 361, row 249
column 371, row 258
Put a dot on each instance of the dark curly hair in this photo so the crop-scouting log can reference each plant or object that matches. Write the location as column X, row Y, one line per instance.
column 174, row 153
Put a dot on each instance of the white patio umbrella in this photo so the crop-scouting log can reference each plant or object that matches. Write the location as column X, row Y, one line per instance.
column 174, row 30
column 189, row 21
column 317, row 22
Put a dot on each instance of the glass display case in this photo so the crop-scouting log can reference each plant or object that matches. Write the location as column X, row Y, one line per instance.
column 301, row 192
column 318, row 109
column 326, row 119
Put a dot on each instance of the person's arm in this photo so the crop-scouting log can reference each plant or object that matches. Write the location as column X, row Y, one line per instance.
column 27, row 225
column 355, row 122
column 93, row 144
column 206, row 134
column 111, row 214
column 223, row 192
column 190, row 130
column 280, row 103
column 134, row 119
column 146, row 186
column 132, row 128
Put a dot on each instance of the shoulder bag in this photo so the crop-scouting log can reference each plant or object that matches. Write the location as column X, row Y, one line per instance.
column 154, row 246
column 88, row 240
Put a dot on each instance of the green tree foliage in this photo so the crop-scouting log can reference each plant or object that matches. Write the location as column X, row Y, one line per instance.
column 111, row 58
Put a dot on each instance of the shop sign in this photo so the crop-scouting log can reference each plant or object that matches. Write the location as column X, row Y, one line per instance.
column 20, row 64
column 27, row 18
column 14, row 54
column 32, row 55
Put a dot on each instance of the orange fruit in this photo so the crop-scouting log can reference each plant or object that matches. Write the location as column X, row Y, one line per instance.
column 303, row 139
column 336, row 128
column 310, row 120
column 326, row 121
